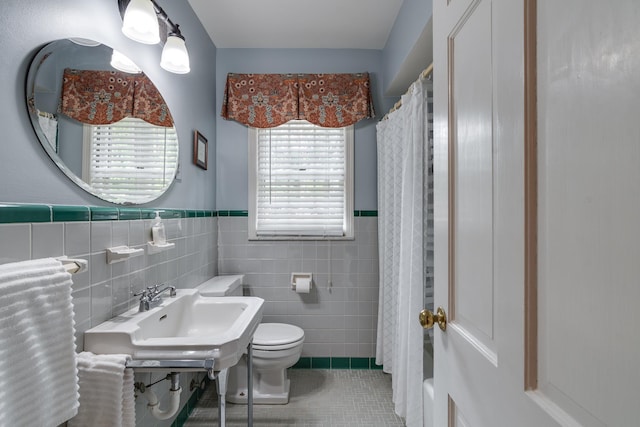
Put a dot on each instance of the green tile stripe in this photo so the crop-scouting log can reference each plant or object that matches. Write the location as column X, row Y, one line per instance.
column 129, row 214
column 150, row 213
column 20, row 213
column 365, row 213
column 24, row 213
column 11, row 213
column 233, row 213
column 104, row 214
column 337, row 363
column 340, row 363
column 70, row 213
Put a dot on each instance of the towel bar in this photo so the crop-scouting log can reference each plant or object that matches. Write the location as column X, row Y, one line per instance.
column 205, row 365
column 74, row 265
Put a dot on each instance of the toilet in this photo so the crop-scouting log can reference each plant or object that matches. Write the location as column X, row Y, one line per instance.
column 276, row 347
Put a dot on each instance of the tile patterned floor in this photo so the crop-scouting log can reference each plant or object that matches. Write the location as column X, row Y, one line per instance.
column 318, row 398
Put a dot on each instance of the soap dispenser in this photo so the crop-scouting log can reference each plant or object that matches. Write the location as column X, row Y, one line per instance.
column 157, row 231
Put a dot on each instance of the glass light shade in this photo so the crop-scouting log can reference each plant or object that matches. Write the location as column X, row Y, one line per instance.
column 175, row 57
column 140, row 22
column 121, row 62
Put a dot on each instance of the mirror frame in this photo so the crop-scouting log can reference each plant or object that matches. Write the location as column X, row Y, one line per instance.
column 34, row 67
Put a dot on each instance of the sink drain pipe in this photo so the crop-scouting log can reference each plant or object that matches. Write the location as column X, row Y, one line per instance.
column 174, row 399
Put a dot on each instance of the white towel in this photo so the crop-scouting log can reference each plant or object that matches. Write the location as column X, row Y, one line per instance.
column 106, row 391
column 49, row 125
column 38, row 374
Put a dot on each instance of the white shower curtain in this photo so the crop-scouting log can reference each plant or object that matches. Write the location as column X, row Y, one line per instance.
column 402, row 173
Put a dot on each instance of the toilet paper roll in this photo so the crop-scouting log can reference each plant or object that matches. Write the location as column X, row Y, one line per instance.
column 303, row 285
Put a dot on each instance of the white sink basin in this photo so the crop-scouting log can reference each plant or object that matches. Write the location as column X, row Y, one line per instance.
column 186, row 327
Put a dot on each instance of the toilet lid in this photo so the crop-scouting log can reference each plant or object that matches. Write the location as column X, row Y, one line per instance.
column 272, row 334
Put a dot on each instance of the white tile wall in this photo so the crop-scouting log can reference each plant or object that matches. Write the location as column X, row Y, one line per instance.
column 338, row 320
column 106, row 290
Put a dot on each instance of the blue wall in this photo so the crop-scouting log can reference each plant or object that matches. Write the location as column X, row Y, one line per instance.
column 232, row 137
column 383, row 66
column 29, row 176
column 26, row 173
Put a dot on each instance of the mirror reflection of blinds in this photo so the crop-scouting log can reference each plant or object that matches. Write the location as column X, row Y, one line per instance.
column 301, row 180
column 131, row 158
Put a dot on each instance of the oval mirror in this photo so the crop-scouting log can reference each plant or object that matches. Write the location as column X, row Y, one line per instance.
column 109, row 130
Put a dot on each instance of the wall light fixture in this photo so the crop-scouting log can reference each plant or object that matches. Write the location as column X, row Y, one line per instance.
column 121, row 62
column 146, row 22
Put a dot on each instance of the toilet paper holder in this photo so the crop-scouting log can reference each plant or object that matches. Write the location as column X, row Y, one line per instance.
column 303, row 277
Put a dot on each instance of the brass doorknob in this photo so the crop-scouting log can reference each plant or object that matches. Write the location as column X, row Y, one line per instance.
column 428, row 319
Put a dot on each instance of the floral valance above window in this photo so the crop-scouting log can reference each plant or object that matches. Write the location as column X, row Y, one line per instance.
column 104, row 97
column 269, row 100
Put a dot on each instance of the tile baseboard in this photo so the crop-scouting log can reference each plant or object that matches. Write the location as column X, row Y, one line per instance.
column 337, row 363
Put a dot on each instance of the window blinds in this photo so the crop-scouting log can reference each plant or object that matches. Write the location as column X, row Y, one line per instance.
column 132, row 159
column 301, row 180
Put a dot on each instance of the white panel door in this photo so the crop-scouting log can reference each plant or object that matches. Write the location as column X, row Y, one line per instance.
column 539, row 271
column 589, row 198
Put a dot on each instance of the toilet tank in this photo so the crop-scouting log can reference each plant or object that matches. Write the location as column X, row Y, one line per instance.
column 219, row 286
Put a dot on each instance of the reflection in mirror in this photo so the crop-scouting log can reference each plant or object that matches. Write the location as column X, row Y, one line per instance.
column 109, row 131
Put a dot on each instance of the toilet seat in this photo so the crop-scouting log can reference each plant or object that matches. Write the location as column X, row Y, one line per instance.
column 277, row 336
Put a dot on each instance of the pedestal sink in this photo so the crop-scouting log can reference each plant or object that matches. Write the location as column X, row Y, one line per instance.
column 188, row 326
column 187, row 332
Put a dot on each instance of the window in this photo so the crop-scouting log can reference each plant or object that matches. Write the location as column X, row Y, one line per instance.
column 301, row 182
column 130, row 160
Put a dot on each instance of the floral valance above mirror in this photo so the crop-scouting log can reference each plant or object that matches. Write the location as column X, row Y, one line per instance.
column 105, row 97
column 269, row 100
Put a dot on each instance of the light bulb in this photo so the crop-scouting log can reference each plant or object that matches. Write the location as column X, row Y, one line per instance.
column 175, row 57
column 121, row 62
column 140, row 22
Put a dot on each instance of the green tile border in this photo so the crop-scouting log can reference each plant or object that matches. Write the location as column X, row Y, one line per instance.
column 340, row 363
column 234, row 213
column 171, row 214
column 10, row 213
column 320, row 363
column 13, row 213
column 303, row 363
column 70, row 213
column 372, row 365
column 21, row 213
column 125, row 214
column 104, row 214
column 147, row 213
column 337, row 363
column 360, row 363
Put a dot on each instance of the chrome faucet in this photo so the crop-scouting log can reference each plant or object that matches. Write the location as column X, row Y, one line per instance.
column 152, row 296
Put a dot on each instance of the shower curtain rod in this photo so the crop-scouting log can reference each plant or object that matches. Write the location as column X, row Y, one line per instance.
column 424, row 74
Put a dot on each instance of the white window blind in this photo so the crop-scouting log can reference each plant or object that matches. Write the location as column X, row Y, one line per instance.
column 130, row 160
column 301, row 183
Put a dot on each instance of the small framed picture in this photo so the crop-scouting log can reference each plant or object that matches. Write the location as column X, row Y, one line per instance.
column 200, row 150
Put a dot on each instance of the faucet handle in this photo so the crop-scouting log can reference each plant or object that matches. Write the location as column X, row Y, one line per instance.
column 144, row 300
column 142, row 293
